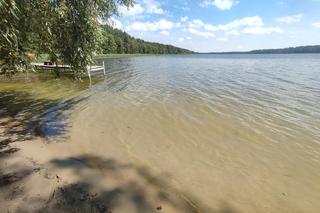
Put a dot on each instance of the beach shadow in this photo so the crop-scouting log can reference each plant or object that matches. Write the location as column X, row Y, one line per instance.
column 23, row 116
column 5, row 143
column 7, row 152
column 140, row 190
column 14, row 177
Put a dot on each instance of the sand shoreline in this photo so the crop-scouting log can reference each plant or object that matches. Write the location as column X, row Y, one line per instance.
column 37, row 176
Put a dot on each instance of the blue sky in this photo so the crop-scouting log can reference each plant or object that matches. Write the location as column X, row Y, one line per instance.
column 223, row 25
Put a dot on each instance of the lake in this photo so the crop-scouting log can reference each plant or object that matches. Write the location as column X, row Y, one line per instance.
column 228, row 130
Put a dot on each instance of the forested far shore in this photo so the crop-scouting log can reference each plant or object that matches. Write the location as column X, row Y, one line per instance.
column 302, row 49
column 118, row 42
column 290, row 50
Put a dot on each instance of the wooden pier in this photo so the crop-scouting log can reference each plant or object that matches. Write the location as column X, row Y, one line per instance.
column 91, row 70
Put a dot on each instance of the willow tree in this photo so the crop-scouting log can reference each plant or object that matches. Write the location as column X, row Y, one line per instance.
column 10, row 56
column 25, row 27
column 66, row 29
column 77, row 28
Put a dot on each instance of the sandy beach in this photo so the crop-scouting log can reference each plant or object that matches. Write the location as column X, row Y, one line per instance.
column 40, row 177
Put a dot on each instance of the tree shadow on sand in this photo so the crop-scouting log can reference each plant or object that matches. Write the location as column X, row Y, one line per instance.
column 130, row 187
column 22, row 116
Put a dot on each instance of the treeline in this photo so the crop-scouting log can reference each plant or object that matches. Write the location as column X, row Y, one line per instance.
column 115, row 41
column 302, row 49
column 290, row 50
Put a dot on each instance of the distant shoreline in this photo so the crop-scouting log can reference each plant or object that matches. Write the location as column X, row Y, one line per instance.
column 291, row 50
column 102, row 56
column 250, row 53
column 114, row 56
column 311, row 49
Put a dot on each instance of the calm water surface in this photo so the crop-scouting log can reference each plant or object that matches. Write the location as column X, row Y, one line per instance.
column 238, row 130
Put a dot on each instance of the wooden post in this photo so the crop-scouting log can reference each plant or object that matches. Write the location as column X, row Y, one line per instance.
column 104, row 68
column 89, row 74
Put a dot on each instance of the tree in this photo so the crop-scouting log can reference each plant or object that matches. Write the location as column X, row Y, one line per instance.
column 10, row 56
column 77, row 29
column 109, row 45
column 25, row 28
column 67, row 29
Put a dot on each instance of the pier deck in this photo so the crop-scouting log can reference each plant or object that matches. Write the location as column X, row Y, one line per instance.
column 89, row 69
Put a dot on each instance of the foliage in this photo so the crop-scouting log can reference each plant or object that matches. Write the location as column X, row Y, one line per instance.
column 77, row 29
column 10, row 57
column 68, row 30
column 118, row 42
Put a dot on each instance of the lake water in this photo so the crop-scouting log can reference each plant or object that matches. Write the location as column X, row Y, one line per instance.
column 236, row 130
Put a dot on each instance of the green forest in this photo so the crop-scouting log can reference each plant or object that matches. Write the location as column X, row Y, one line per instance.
column 115, row 41
column 301, row 49
column 289, row 50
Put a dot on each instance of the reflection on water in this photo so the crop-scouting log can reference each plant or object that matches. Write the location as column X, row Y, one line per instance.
column 238, row 128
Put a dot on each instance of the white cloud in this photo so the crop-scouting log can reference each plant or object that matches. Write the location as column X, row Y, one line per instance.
column 253, row 21
column 249, row 25
column 222, row 39
column 196, row 23
column 146, row 6
column 316, row 24
column 200, row 33
column 290, row 19
column 152, row 6
column 181, row 39
column 220, row 4
column 165, row 33
column 184, row 18
column 233, row 32
column 163, row 24
column 115, row 23
column 262, row 30
column 137, row 9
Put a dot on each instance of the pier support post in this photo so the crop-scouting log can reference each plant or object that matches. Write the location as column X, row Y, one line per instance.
column 89, row 74
column 104, row 68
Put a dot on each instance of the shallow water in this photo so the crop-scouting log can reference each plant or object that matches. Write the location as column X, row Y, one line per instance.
column 236, row 130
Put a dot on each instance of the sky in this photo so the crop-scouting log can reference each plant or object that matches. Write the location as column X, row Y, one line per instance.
column 223, row 25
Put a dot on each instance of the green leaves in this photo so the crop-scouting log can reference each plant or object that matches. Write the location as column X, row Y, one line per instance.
column 68, row 30
column 9, row 33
